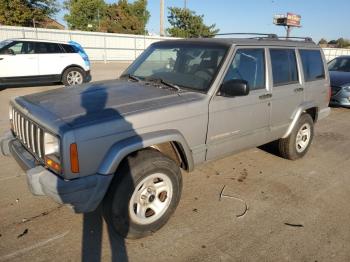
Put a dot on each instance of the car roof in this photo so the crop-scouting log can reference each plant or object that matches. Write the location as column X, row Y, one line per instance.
column 245, row 41
column 344, row 56
column 36, row 40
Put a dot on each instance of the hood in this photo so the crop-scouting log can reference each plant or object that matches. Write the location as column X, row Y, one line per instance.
column 102, row 101
column 339, row 78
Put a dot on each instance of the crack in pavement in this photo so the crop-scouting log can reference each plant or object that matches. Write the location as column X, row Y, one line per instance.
column 45, row 213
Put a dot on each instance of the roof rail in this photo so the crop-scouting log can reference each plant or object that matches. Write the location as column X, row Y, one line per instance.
column 269, row 36
column 274, row 36
column 306, row 39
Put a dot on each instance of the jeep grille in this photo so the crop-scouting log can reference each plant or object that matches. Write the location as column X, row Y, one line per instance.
column 29, row 134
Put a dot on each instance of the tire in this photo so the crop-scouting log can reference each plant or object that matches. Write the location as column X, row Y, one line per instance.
column 298, row 142
column 73, row 76
column 129, row 203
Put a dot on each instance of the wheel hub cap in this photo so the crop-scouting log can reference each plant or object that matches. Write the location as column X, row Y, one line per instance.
column 303, row 138
column 151, row 199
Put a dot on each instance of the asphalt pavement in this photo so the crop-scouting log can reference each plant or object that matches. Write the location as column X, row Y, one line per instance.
column 252, row 206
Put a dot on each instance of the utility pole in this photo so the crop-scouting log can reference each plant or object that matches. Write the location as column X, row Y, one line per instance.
column 288, row 29
column 185, row 4
column 161, row 18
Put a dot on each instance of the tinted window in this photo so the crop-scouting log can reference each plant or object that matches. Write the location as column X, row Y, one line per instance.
column 69, row 49
column 312, row 64
column 284, row 66
column 340, row 64
column 47, row 48
column 248, row 65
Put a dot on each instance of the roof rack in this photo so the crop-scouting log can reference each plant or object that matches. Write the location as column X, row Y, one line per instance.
column 274, row 36
column 269, row 36
column 306, row 39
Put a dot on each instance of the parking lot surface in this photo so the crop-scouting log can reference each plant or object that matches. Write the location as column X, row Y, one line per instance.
column 252, row 206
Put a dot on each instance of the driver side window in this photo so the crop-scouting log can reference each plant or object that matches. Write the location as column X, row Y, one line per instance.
column 248, row 65
column 18, row 48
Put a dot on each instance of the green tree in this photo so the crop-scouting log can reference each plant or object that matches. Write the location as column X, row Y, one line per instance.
column 185, row 23
column 85, row 15
column 125, row 17
column 25, row 12
column 323, row 42
column 342, row 43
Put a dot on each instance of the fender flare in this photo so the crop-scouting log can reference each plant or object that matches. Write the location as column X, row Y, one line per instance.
column 121, row 149
column 296, row 115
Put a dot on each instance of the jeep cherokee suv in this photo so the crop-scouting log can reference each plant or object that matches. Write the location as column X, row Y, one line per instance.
column 123, row 143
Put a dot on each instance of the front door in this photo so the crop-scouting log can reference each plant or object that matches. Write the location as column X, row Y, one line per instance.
column 236, row 123
column 18, row 59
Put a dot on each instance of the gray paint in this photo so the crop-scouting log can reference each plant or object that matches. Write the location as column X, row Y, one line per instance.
column 110, row 119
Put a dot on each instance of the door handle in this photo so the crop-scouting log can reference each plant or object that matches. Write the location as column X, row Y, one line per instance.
column 1, row 58
column 299, row 89
column 265, row 96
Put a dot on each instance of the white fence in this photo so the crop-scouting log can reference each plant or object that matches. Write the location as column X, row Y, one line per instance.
column 106, row 46
column 99, row 46
column 331, row 53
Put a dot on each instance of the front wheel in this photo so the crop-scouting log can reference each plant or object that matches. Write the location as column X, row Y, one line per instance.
column 298, row 142
column 143, row 195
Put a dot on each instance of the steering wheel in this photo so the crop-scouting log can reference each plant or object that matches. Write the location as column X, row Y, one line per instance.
column 206, row 71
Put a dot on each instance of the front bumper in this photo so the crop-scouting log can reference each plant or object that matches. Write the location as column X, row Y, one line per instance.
column 87, row 76
column 82, row 194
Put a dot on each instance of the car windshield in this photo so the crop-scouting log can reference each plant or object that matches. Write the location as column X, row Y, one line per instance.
column 340, row 64
column 191, row 66
column 5, row 43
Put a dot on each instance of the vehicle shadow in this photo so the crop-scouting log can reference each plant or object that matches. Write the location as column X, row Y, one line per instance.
column 29, row 85
column 94, row 100
column 271, row 148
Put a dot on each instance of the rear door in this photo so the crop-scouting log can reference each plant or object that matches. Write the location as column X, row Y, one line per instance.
column 316, row 82
column 18, row 60
column 288, row 90
column 51, row 58
column 236, row 123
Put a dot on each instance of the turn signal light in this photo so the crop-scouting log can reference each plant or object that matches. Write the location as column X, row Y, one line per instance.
column 74, row 160
column 53, row 164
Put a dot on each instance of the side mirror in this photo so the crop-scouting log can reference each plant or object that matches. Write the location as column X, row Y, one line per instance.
column 234, row 87
column 9, row 52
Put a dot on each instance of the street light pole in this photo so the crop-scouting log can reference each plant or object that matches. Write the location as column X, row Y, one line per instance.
column 161, row 18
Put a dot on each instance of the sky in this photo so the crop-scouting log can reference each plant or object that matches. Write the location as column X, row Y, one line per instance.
column 319, row 18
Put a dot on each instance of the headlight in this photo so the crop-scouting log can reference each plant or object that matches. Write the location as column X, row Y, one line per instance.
column 51, row 145
column 52, row 152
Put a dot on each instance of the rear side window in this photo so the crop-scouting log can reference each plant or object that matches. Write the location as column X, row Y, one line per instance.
column 248, row 65
column 312, row 65
column 47, row 48
column 284, row 66
column 69, row 48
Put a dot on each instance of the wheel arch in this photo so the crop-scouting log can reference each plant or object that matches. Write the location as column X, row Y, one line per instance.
column 70, row 66
column 308, row 108
column 169, row 142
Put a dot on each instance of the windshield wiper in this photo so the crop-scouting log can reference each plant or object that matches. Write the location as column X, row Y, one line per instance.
column 161, row 81
column 132, row 77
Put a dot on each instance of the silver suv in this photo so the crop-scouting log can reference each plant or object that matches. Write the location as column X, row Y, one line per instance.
column 124, row 143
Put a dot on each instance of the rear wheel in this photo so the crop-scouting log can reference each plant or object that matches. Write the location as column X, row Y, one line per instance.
column 73, row 76
column 143, row 195
column 298, row 142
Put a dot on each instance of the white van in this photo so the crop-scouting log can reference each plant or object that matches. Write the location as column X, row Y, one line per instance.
column 29, row 61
